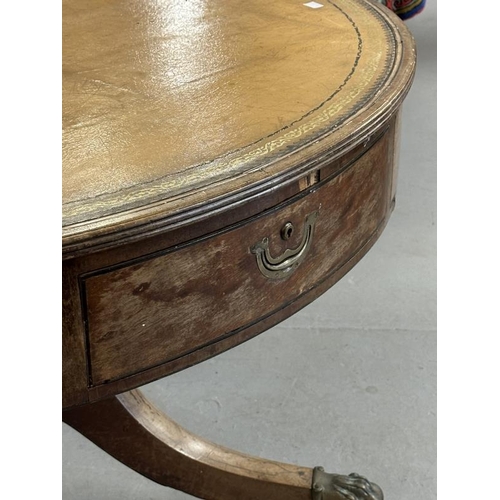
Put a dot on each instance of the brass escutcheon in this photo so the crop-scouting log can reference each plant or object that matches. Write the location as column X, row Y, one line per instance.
column 286, row 231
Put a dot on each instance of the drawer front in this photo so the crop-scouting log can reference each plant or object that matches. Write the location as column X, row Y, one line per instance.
column 163, row 306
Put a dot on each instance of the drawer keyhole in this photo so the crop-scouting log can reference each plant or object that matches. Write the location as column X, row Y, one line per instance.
column 286, row 231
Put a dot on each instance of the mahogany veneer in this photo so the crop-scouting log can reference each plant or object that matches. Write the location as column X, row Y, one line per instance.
column 224, row 164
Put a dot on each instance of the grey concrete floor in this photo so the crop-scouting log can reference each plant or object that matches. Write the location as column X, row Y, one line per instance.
column 350, row 381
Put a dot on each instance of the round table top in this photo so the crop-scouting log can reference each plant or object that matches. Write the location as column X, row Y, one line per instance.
column 173, row 105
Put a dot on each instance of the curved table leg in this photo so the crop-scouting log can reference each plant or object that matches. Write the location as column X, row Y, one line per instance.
column 133, row 431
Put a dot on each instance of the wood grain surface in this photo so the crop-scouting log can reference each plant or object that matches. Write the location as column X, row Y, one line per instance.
column 194, row 134
column 200, row 130
column 173, row 108
column 150, row 308
column 157, row 447
column 165, row 306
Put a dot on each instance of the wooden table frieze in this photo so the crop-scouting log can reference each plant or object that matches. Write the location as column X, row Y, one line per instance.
column 224, row 164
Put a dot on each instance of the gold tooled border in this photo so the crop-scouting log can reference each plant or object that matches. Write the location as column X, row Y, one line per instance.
column 174, row 184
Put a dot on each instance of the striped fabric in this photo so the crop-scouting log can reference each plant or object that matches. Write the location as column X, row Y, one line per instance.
column 404, row 8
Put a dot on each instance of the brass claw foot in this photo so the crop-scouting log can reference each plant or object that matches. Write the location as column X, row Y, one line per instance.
column 338, row 487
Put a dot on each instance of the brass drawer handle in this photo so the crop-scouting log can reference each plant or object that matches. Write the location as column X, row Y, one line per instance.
column 283, row 265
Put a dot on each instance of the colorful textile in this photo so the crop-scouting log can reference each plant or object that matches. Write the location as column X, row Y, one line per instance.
column 405, row 8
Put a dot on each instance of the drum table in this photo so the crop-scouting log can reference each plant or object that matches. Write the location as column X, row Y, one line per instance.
column 224, row 163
